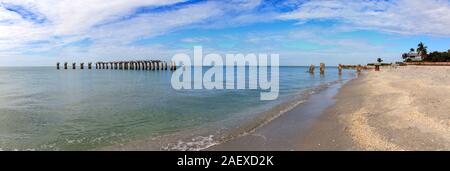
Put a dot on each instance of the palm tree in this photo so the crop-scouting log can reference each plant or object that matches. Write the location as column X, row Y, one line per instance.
column 411, row 50
column 379, row 60
column 422, row 50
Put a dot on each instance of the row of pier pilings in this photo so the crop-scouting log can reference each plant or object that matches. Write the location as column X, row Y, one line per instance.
column 358, row 68
column 312, row 67
column 127, row 65
column 74, row 65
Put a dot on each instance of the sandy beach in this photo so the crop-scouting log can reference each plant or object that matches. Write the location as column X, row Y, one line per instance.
column 395, row 109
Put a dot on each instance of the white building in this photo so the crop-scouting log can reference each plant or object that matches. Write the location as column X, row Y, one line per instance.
column 413, row 56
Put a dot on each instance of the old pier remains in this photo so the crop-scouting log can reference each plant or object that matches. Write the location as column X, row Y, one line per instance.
column 340, row 67
column 322, row 68
column 127, row 65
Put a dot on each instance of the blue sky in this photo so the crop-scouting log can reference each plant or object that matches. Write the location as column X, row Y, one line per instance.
column 303, row 32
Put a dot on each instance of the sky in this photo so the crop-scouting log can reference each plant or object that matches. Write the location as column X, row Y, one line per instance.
column 302, row 32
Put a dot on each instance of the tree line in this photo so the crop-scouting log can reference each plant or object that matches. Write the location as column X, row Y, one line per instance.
column 435, row 56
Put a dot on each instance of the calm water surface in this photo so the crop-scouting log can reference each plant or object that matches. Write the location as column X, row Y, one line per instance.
column 42, row 108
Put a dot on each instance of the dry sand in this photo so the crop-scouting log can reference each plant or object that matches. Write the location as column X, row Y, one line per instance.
column 407, row 108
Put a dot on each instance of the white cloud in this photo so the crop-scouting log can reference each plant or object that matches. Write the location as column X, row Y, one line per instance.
column 63, row 18
column 102, row 21
column 411, row 17
column 151, row 24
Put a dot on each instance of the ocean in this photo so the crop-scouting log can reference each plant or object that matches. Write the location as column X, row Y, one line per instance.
column 42, row 108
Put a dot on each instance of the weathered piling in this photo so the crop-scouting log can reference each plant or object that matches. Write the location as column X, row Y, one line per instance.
column 311, row 69
column 126, row 65
column 377, row 67
column 322, row 68
column 173, row 66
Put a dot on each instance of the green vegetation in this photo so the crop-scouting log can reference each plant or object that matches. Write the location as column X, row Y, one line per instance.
column 438, row 57
column 435, row 56
column 422, row 50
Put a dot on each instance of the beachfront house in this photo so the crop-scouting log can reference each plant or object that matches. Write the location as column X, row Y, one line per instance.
column 412, row 56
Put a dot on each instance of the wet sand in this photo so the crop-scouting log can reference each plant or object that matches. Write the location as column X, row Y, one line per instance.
column 406, row 108
column 285, row 132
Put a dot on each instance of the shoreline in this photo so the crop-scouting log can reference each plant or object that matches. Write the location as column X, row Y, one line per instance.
column 293, row 123
column 328, row 133
column 377, row 111
column 315, row 99
column 402, row 109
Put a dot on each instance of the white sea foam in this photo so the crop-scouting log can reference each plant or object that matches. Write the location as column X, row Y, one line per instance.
column 195, row 144
column 204, row 142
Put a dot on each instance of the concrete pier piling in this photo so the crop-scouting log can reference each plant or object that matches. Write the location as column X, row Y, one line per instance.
column 173, row 65
column 311, row 69
column 126, row 65
column 322, row 68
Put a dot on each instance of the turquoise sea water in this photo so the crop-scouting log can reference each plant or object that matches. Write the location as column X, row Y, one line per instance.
column 42, row 108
